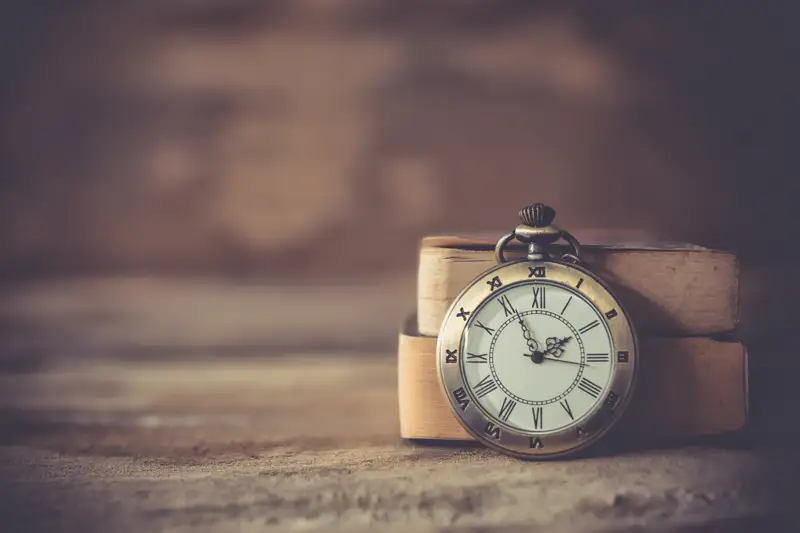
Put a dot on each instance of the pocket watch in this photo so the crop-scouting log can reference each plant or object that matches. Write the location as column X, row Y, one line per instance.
column 537, row 356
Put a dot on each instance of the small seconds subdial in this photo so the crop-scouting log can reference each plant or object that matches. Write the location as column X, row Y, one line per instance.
column 537, row 356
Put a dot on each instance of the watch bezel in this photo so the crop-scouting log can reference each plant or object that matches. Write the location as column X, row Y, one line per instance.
column 595, row 423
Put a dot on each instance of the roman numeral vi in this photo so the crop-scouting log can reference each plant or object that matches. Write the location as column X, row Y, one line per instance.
column 538, row 417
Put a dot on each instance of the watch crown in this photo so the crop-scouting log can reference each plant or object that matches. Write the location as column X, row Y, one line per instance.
column 538, row 232
column 537, row 215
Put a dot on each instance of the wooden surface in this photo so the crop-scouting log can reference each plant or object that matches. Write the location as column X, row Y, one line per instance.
column 135, row 413
column 669, row 289
column 311, row 443
column 687, row 387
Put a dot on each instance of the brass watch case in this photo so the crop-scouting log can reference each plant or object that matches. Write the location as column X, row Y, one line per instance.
column 539, row 445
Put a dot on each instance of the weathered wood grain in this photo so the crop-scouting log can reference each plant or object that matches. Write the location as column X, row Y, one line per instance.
column 127, row 405
column 311, row 443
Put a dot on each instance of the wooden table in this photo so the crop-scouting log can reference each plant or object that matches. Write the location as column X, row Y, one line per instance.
column 118, row 415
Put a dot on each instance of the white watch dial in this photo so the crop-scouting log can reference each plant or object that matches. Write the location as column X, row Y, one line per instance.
column 537, row 357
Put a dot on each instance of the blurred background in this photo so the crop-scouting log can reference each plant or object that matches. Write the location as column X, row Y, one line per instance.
column 236, row 176
column 187, row 186
column 320, row 139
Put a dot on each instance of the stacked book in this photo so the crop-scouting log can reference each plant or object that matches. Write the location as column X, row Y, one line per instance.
column 684, row 303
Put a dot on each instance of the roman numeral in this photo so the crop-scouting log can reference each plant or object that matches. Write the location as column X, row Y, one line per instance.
column 538, row 272
column 622, row 356
column 463, row 314
column 589, row 387
column 598, row 357
column 580, row 282
column 476, row 357
column 566, row 305
column 506, row 408
column 506, row 303
column 451, row 357
column 536, row 442
column 565, row 404
column 461, row 397
column 492, row 430
column 538, row 417
column 489, row 330
column 611, row 400
column 589, row 326
column 539, row 298
column 485, row 386
column 494, row 283
column 611, row 314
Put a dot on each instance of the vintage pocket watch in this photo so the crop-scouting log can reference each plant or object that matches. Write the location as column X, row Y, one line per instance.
column 537, row 357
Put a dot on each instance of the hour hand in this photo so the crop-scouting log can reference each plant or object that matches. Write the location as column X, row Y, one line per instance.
column 555, row 346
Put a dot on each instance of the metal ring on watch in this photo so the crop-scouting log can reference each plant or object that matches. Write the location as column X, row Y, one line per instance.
column 498, row 249
column 576, row 246
column 575, row 256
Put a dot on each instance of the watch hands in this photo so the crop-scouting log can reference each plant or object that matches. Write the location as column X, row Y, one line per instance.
column 565, row 361
column 536, row 356
column 555, row 346
column 539, row 357
column 532, row 344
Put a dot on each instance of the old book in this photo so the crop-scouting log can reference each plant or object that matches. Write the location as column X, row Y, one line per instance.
column 669, row 289
column 687, row 387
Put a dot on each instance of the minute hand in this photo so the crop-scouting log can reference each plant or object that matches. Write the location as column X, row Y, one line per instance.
column 565, row 361
column 532, row 344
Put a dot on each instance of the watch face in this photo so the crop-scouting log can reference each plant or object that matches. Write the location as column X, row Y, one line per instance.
column 537, row 358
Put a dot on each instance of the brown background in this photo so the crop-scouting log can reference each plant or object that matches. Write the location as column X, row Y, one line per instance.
column 147, row 148
column 209, row 215
column 323, row 139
